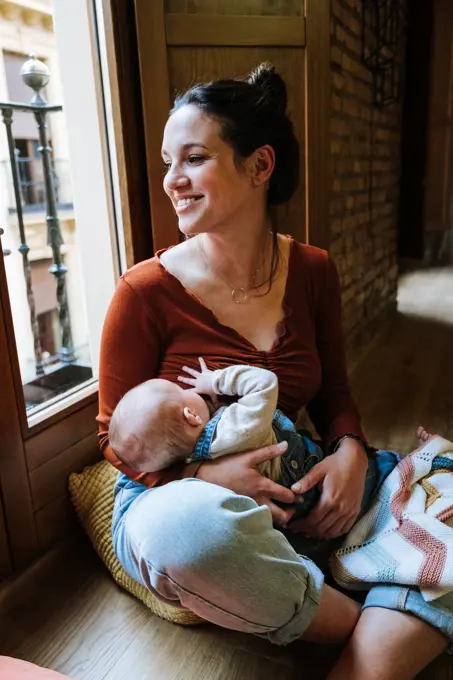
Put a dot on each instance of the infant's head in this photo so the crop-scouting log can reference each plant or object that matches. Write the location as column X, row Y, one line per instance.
column 155, row 424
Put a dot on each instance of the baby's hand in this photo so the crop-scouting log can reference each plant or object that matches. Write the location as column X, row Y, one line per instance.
column 201, row 382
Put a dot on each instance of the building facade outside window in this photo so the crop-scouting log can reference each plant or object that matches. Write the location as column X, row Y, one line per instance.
column 81, row 178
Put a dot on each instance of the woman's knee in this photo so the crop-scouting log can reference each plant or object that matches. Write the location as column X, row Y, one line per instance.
column 191, row 524
column 218, row 554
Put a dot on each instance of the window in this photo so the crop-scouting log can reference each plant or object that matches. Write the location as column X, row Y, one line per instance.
column 64, row 236
column 49, row 337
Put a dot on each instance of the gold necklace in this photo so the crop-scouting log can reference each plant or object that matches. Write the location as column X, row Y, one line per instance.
column 239, row 294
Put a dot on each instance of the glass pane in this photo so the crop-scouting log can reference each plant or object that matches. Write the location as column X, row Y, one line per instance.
column 44, row 249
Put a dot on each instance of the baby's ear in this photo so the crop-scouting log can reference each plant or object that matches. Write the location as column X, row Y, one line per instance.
column 192, row 418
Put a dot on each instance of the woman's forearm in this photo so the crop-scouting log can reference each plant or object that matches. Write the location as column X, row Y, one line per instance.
column 353, row 449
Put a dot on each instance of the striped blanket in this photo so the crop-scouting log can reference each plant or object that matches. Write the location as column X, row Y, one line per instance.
column 406, row 537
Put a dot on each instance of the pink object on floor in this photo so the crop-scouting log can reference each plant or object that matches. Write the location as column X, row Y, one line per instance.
column 15, row 669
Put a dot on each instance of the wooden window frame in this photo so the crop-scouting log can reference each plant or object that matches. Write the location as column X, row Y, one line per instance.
column 27, row 450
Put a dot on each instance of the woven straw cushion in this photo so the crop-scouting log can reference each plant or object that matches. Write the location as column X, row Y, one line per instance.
column 14, row 669
column 92, row 495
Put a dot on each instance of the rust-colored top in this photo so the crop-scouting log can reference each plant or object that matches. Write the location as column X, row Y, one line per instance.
column 154, row 326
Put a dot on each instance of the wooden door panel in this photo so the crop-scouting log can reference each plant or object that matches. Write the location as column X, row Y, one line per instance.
column 439, row 165
column 191, row 64
column 5, row 558
column 178, row 46
column 13, row 470
column 236, row 7
column 48, row 444
column 437, row 176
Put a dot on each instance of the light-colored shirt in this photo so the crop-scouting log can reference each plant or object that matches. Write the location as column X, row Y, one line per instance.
column 247, row 423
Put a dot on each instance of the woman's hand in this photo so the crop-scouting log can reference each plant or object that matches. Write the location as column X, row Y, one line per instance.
column 239, row 473
column 342, row 480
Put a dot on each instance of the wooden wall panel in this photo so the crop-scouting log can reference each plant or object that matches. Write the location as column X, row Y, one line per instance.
column 318, row 81
column 50, row 480
column 293, row 8
column 55, row 522
column 204, row 39
column 49, row 443
column 215, row 29
column 5, row 561
column 187, row 65
column 156, row 106
column 14, row 483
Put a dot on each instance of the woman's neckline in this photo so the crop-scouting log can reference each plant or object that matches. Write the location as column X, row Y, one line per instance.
column 286, row 311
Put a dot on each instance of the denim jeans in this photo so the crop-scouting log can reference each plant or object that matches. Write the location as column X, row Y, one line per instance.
column 303, row 453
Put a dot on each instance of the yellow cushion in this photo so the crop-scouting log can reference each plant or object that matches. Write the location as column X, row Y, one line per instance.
column 92, row 495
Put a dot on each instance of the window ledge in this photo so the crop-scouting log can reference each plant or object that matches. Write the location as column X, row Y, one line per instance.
column 60, row 407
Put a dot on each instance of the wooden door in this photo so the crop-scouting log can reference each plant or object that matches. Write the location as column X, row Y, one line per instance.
column 181, row 42
column 5, row 556
column 15, row 491
column 439, row 166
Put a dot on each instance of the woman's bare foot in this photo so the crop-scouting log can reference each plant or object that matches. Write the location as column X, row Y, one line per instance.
column 424, row 436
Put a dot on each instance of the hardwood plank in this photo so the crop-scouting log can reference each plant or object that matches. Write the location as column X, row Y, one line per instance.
column 317, row 111
column 437, row 416
column 89, row 633
column 30, row 599
column 203, row 30
column 50, row 480
column 68, row 614
column 399, row 369
column 54, row 439
column 206, row 656
column 316, row 659
column 403, row 381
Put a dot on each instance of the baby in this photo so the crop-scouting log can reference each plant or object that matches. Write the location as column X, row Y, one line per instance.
column 158, row 423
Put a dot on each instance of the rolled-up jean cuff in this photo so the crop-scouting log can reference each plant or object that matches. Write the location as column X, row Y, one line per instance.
column 306, row 610
column 411, row 601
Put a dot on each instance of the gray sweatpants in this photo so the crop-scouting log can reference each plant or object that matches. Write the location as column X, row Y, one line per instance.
column 203, row 547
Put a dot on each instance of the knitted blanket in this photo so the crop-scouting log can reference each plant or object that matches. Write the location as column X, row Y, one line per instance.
column 406, row 537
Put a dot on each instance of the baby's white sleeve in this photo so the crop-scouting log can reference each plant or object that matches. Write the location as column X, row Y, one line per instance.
column 246, row 424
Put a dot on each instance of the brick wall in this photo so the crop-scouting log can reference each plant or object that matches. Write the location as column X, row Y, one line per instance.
column 365, row 146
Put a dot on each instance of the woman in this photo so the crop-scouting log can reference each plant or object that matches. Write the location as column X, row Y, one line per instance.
column 239, row 292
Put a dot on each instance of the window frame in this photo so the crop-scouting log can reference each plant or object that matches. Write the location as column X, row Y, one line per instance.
column 69, row 425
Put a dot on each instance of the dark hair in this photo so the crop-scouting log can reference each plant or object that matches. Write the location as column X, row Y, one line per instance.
column 252, row 112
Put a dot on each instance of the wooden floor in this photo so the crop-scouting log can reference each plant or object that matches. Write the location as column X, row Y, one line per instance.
column 67, row 614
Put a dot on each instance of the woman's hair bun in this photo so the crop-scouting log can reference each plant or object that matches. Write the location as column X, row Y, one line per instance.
column 272, row 85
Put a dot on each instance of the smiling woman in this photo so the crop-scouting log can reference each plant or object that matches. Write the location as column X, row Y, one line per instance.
column 239, row 292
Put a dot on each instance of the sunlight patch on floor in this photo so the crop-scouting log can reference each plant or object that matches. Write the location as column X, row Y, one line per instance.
column 428, row 294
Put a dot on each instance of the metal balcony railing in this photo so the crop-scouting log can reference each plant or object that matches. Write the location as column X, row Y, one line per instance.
column 32, row 184
column 38, row 184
